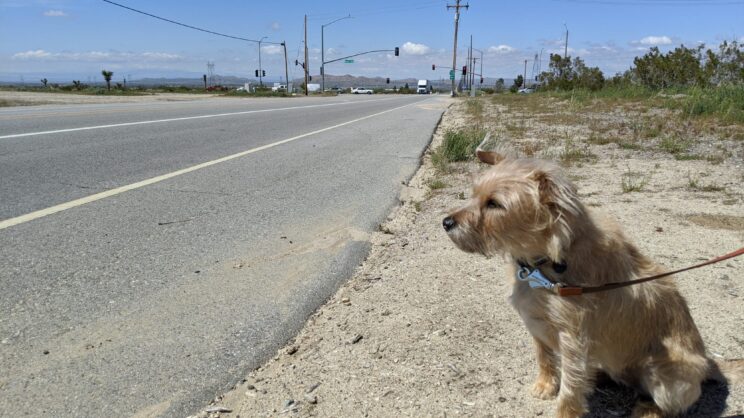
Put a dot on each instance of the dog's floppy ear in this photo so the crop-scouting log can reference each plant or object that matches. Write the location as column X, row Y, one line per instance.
column 497, row 152
column 560, row 198
column 489, row 157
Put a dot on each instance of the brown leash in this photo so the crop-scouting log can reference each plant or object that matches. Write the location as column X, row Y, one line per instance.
column 564, row 290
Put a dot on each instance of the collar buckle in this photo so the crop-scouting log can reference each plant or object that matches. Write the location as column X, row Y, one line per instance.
column 535, row 278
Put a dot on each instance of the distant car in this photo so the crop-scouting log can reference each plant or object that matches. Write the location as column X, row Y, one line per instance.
column 361, row 90
column 526, row 90
column 280, row 87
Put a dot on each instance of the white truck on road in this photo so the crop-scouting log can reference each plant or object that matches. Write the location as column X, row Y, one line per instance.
column 424, row 87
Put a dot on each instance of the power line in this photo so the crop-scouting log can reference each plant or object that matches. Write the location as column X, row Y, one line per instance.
column 188, row 26
column 375, row 11
column 656, row 2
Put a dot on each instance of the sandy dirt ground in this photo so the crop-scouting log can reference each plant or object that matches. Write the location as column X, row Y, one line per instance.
column 24, row 98
column 425, row 330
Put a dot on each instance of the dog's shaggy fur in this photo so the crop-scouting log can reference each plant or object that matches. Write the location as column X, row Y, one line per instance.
column 641, row 335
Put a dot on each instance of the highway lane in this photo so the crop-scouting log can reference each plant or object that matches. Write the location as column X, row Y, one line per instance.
column 24, row 120
column 44, row 170
column 155, row 299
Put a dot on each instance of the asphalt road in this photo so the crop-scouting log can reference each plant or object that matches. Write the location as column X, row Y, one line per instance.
column 153, row 253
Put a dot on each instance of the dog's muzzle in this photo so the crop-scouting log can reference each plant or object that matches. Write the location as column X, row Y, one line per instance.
column 449, row 223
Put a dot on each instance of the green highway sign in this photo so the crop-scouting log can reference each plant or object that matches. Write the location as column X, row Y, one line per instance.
column 452, row 74
column 348, row 61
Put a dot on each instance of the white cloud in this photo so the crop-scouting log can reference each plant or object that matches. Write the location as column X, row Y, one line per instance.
column 28, row 55
column 55, row 13
column 272, row 49
column 161, row 56
column 96, row 56
column 275, row 26
column 411, row 48
column 655, row 40
column 501, row 49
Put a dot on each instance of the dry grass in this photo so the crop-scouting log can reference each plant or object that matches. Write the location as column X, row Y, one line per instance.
column 18, row 102
column 634, row 182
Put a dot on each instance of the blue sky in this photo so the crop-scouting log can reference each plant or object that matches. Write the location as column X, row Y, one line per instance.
column 66, row 39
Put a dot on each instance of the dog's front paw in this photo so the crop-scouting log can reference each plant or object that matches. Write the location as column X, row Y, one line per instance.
column 545, row 388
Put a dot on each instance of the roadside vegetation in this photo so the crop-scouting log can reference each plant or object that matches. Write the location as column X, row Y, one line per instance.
column 685, row 106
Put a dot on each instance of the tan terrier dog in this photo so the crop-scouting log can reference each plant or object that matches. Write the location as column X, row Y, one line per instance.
column 641, row 336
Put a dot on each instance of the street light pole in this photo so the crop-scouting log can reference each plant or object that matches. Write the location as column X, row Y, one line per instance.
column 260, row 72
column 322, row 51
column 481, row 61
column 286, row 70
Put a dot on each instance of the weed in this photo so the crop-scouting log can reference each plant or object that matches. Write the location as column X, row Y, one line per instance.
column 629, row 145
column 633, row 181
column 474, row 107
column 693, row 183
column 440, row 161
column 715, row 159
column 688, row 157
column 600, row 140
column 460, row 145
column 674, row 144
column 531, row 148
column 437, row 184
column 652, row 130
column 516, row 130
column 725, row 101
column 571, row 154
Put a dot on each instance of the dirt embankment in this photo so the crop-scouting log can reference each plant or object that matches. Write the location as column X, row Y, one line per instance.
column 25, row 98
column 423, row 329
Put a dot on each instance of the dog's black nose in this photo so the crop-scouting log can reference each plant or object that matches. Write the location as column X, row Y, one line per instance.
column 448, row 223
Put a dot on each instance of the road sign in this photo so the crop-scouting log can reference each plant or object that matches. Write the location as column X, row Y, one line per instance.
column 452, row 74
column 348, row 61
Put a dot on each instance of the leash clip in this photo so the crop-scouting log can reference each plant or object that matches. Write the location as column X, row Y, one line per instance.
column 535, row 278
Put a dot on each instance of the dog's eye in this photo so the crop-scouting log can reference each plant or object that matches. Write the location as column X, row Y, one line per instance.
column 492, row 204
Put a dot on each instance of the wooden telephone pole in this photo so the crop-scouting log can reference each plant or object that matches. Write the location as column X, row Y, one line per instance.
column 307, row 65
column 457, row 7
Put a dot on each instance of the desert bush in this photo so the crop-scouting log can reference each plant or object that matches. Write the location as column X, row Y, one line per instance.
column 460, row 145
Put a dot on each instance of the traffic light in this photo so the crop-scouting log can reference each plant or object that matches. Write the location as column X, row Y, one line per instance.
column 481, row 80
column 256, row 73
column 297, row 63
column 309, row 78
column 397, row 51
column 387, row 80
column 433, row 67
column 263, row 73
column 464, row 70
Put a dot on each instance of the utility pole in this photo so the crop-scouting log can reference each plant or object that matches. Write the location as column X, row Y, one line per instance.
column 524, row 77
column 565, row 47
column 260, row 69
column 457, row 7
column 470, row 64
column 307, row 65
column 286, row 70
column 322, row 51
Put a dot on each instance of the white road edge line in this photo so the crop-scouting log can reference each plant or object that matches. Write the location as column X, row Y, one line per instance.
column 113, row 192
column 145, row 122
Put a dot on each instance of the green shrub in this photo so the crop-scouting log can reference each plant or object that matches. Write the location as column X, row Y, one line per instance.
column 461, row 145
column 726, row 101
